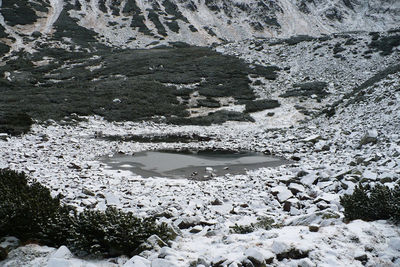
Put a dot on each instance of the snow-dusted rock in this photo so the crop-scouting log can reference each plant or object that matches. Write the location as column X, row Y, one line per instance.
column 296, row 188
column 162, row 263
column 306, row 263
column 9, row 242
column 57, row 262
column 62, row 253
column 137, row 261
column 282, row 193
column 279, row 247
column 166, row 251
column 367, row 174
column 394, row 243
column 255, row 256
column 370, row 137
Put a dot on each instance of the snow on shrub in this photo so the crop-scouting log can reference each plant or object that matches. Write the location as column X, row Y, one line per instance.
column 372, row 203
column 28, row 212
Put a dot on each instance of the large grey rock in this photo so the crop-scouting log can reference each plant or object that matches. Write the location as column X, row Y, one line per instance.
column 370, row 137
column 162, row 263
column 137, row 261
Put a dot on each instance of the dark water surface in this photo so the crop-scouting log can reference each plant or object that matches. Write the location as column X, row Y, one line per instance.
column 195, row 166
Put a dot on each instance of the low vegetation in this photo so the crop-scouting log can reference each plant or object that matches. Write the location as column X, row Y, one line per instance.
column 28, row 212
column 372, row 203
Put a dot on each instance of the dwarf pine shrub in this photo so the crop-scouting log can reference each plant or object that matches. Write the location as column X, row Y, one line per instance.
column 113, row 232
column 28, row 212
column 372, row 203
column 25, row 208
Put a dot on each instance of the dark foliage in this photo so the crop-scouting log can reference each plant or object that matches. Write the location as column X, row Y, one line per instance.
column 15, row 124
column 259, row 105
column 25, row 209
column 134, row 78
column 307, row 89
column 28, row 212
column 372, row 203
column 113, row 232
column 217, row 117
column 385, row 44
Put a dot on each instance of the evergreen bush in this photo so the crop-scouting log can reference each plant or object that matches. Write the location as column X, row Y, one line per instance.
column 28, row 212
column 372, row 203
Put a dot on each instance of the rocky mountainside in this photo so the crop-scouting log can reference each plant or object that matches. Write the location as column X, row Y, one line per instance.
column 147, row 23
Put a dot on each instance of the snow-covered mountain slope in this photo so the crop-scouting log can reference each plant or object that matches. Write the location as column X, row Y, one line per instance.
column 134, row 23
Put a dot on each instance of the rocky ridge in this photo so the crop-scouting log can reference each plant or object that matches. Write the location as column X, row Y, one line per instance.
column 139, row 24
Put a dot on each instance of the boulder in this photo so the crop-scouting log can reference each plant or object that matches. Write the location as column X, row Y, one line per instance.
column 257, row 258
column 306, row 263
column 370, row 137
column 137, row 261
column 62, row 253
column 281, row 193
column 162, row 263
column 56, row 262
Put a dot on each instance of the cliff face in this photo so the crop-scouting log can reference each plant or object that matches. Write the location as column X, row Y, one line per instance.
column 146, row 23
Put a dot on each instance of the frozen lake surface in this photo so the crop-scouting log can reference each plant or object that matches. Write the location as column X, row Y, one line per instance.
column 194, row 165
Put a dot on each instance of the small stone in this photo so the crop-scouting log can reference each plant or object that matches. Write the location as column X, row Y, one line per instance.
column 301, row 173
column 87, row 192
column 256, row 257
column 362, row 257
column 3, row 136
column 209, row 169
column 36, row 34
column 313, row 138
column 270, row 114
column 287, row 205
column 188, row 222
column 313, row 228
column 196, row 229
column 202, row 261
column 216, row 202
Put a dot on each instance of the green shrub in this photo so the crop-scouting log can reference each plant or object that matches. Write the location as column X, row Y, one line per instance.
column 25, row 209
column 372, row 203
column 15, row 124
column 242, row 229
column 113, row 232
column 28, row 212
column 265, row 223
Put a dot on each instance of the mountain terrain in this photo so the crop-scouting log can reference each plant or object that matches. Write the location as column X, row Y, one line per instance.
column 314, row 82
